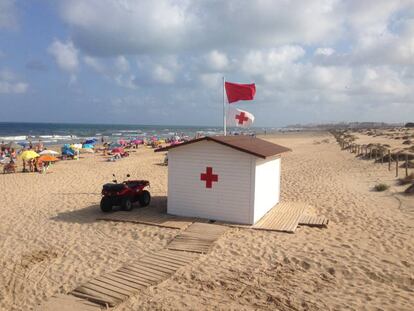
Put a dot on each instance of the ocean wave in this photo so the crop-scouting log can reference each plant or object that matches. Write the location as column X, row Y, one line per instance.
column 13, row 138
column 59, row 137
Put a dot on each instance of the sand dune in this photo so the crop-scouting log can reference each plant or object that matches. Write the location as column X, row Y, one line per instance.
column 50, row 241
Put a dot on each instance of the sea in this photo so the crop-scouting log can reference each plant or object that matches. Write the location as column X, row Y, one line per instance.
column 60, row 133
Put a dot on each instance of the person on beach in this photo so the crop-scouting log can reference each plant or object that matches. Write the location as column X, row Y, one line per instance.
column 31, row 165
column 24, row 170
column 13, row 154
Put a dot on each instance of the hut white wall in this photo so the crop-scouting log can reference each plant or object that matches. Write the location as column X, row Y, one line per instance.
column 266, row 186
column 230, row 199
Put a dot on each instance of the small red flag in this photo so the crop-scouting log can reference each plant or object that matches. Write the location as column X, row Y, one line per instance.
column 236, row 91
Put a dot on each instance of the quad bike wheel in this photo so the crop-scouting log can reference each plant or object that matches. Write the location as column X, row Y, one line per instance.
column 126, row 204
column 144, row 198
column 106, row 205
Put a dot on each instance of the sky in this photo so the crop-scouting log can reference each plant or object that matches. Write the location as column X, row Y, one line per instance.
column 162, row 62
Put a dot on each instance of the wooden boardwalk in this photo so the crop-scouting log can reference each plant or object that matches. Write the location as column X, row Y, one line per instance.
column 111, row 289
column 283, row 217
column 149, row 217
column 197, row 238
column 313, row 221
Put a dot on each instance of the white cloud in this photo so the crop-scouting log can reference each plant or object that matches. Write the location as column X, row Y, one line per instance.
column 328, row 59
column 129, row 81
column 162, row 75
column 66, row 55
column 8, row 14
column 9, row 83
column 94, row 63
column 105, row 27
column 262, row 61
column 122, row 64
column 324, row 51
column 217, row 60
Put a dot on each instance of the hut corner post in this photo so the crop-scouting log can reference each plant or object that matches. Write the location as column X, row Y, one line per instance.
column 224, row 108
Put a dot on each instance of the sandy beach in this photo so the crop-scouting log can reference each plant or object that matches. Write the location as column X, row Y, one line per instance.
column 51, row 242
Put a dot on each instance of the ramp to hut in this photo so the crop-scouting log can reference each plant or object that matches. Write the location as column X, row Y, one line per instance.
column 149, row 216
column 197, row 238
column 283, row 217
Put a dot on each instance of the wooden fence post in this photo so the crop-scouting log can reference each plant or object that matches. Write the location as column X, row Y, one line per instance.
column 396, row 165
column 389, row 160
column 406, row 164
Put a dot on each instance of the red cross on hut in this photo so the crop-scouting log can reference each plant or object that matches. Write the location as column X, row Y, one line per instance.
column 228, row 178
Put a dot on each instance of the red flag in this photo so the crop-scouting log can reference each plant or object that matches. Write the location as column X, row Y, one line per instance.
column 236, row 91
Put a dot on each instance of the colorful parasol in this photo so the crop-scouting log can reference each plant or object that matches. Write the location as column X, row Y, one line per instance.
column 47, row 158
column 29, row 154
column 47, row 151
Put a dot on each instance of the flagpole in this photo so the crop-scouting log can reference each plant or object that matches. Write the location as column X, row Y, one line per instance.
column 224, row 109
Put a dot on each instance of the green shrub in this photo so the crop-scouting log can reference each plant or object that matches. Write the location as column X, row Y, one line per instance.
column 381, row 187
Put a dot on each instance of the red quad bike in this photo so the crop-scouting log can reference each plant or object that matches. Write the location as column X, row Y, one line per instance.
column 125, row 194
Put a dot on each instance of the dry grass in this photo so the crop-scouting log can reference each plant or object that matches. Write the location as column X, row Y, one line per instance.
column 381, row 187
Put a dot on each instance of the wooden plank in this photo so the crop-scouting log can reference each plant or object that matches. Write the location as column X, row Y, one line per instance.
column 170, row 260
column 104, row 301
column 197, row 238
column 161, row 263
column 125, row 281
column 173, row 257
column 145, row 270
column 313, row 221
column 99, row 298
column 138, row 277
column 135, row 277
column 111, row 287
column 283, row 217
column 91, row 289
column 149, row 217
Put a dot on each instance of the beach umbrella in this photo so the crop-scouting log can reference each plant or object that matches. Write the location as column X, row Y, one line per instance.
column 68, row 152
column 90, row 141
column 118, row 150
column 47, row 151
column 76, row 146
column 29, row 154
column 137, row 141
column 47, row 158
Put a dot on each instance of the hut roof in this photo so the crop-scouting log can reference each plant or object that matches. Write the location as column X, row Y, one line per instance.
column 252, row 145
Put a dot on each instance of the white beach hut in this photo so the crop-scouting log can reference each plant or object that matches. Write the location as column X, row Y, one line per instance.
column 229, row 178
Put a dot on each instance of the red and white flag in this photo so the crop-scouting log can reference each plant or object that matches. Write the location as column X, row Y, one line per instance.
column 239, row 118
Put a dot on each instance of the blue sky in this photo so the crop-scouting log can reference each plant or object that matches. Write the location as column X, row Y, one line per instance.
column 161, row 62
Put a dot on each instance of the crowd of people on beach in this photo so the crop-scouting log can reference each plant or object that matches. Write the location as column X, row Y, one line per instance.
column 33, row 155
